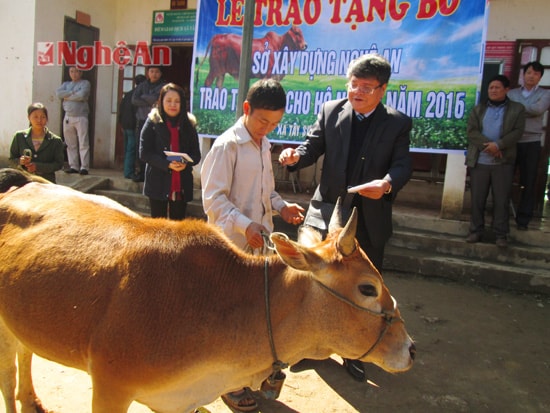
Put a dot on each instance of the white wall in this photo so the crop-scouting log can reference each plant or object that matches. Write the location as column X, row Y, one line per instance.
column 16, row 67
column 518, row 19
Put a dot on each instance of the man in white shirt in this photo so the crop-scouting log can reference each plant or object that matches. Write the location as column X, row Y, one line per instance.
column 238, row 188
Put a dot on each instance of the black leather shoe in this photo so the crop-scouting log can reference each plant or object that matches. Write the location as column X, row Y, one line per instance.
column 501, row 242
column 138, row 178
column 70, row 171
column 473, row 238
column 356, row 369
column 83, row 172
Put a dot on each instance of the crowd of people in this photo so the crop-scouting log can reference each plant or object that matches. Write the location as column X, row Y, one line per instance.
column 365, row 144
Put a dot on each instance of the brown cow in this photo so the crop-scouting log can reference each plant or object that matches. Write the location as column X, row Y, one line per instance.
column 225, row 53
column 172, row 314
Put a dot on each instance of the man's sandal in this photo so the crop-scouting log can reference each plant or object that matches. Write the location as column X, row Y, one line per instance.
column 241, row 401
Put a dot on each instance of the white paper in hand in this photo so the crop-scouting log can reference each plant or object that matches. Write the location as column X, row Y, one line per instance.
column 357, row 188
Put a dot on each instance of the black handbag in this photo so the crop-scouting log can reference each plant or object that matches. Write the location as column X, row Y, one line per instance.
column 319, row 213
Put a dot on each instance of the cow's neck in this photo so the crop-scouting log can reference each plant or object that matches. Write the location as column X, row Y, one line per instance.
column 296, row 314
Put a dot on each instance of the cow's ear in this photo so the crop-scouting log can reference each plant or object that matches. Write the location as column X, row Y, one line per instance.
column 309, row 236
column 296, row 255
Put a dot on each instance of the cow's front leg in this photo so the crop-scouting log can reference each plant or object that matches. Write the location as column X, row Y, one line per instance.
column 107, row 398
column 30, row 403
column 8, row 370
column 219, row 81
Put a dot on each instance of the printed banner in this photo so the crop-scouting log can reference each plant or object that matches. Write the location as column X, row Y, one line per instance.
column 434, row 47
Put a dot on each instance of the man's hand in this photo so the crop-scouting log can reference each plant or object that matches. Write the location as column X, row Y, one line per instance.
column 491, row 148
column 375, row 189
column 289, row 156
column 293, row 214
column 253, row 235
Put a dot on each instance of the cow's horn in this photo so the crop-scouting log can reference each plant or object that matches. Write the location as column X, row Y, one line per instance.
column 336, row 217
column 346, row 240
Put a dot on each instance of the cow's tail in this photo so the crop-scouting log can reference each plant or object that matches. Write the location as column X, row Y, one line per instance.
column 208, row 50
column 10, row 177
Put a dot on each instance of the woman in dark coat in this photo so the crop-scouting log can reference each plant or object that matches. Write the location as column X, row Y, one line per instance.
column 168, row 182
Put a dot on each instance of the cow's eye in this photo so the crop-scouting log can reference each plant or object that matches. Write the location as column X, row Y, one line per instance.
column 368, row 290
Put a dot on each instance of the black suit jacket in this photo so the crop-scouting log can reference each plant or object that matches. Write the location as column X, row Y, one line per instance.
column 384, row 154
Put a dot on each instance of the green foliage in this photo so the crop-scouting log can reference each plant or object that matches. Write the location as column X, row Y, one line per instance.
column 439, row 133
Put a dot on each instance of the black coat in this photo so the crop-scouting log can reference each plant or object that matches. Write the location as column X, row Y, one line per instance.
column 127, row 112
column 386, row 153
column 154, row 140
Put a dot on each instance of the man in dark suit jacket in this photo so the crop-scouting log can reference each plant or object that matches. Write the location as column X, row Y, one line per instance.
column 364, row 142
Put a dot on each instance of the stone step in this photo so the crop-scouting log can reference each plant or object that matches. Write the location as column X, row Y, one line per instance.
column 425, row 244
column 505, row 276
column 139, row 203
column 133, row 200
column 454, row 246
column 83, row 183
column 406, row 218
column 123, row 184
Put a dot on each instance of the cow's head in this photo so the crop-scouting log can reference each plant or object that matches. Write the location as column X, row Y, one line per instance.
column 17, row 178
column 297, row 39
column 367, row 322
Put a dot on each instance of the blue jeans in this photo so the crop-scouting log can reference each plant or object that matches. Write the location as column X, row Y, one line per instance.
column 129, row 152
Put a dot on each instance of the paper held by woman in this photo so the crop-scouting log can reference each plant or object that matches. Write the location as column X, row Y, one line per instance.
column 178, row 156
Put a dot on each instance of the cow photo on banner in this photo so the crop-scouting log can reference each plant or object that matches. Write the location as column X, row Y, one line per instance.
column 435, row 49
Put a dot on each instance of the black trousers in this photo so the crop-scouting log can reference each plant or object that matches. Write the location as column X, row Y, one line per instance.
column 375, row 253
column 497, row 179
column 527, row 161
column 174, row 210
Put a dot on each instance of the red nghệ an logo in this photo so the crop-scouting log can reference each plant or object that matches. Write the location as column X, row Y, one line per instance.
column 99, row 54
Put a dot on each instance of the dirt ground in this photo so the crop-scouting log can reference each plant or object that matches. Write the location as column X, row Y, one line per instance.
column 479, row 350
